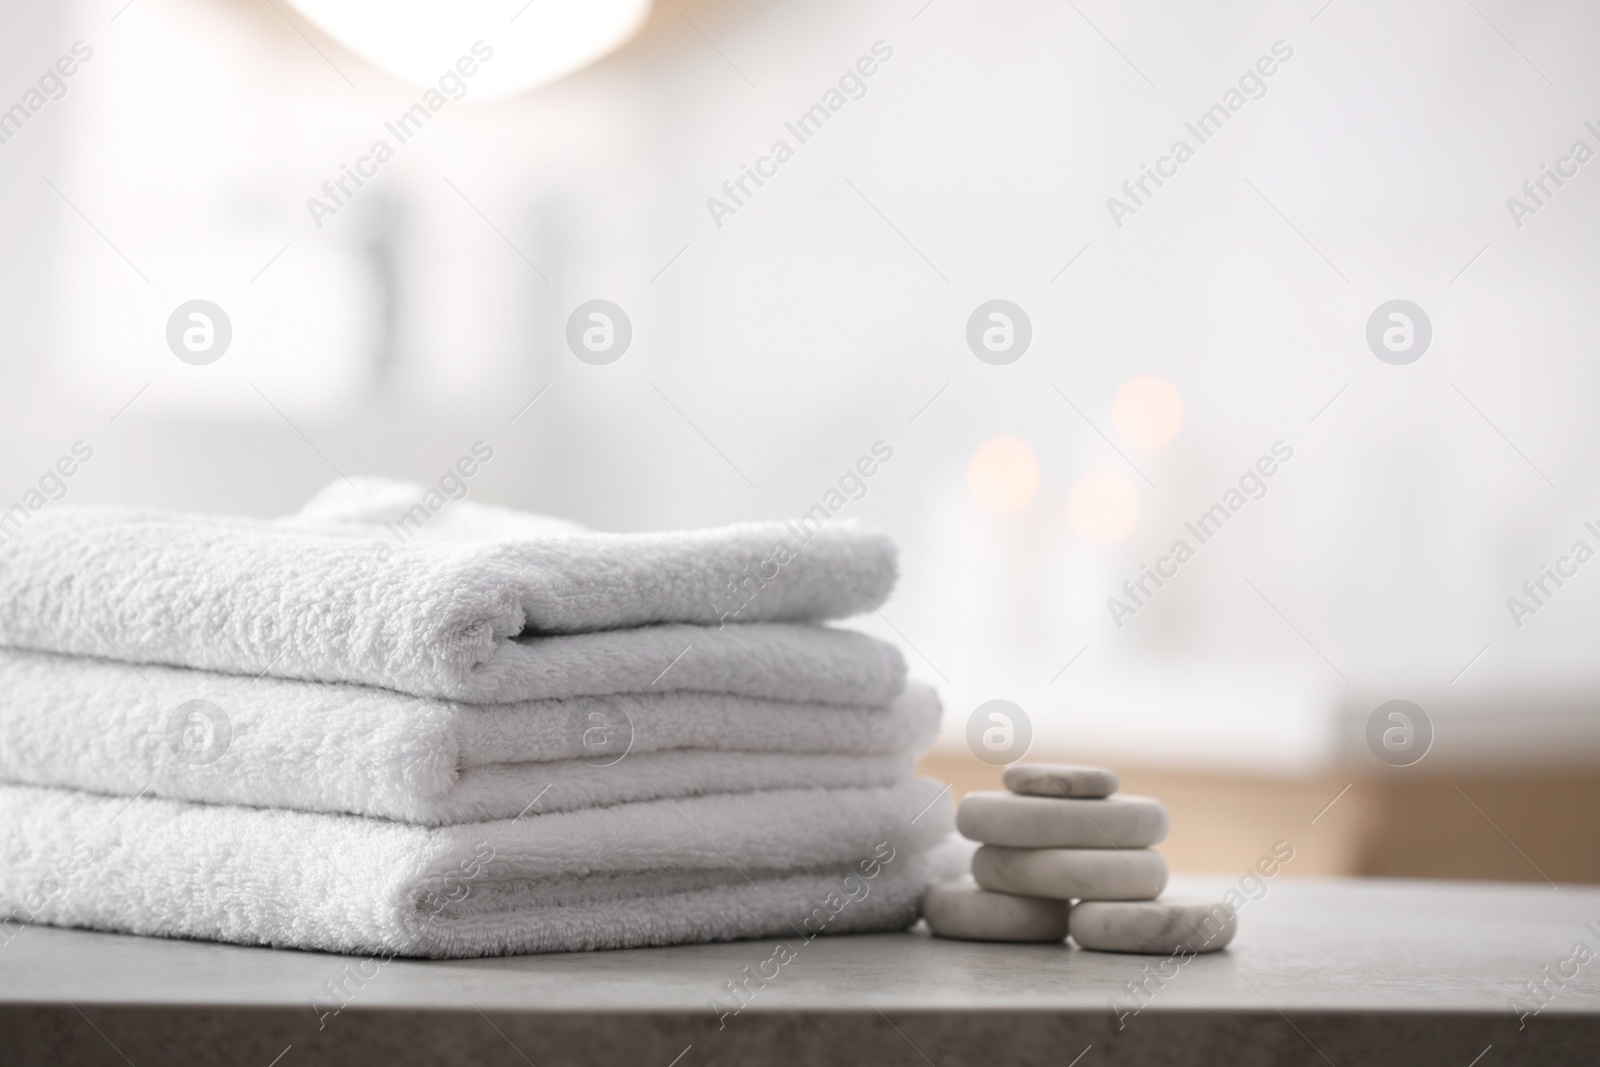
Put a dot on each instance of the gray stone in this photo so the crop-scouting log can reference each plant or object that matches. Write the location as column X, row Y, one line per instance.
column 962, row 910
column 1071, row 873
column 1063, row 780
column 1168, row 927
column 1040, row 822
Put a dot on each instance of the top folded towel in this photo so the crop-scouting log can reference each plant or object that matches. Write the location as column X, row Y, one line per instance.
column 339, row 594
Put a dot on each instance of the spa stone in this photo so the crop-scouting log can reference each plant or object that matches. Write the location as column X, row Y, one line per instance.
column 1062, row 780
column 1042, row 822
column 961, row 910
column 1167, row 927
column 1071, row 873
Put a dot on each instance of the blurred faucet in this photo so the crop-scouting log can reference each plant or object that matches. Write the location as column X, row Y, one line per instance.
column 377, row 230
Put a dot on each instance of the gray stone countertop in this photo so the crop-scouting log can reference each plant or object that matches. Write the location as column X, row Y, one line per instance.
column 1334, row 971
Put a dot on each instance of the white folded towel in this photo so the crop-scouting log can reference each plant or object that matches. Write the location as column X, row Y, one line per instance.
column 466, row 619
column 774, row 661
column 389, row 508
column 114, row 728
column 701, row 869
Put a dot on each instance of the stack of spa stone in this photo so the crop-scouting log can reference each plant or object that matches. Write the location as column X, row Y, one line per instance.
column 1061, row 853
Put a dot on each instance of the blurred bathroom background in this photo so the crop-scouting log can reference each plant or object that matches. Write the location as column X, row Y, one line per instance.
column 777, row 338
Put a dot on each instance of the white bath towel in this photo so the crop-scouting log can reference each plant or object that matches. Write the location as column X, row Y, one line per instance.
column 465, row 619
column 114, row 728
column 775, row 661
column 389, row 507
column 700, row 869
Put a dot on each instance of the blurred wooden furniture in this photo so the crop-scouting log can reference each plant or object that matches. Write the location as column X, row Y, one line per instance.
column 1521, row 826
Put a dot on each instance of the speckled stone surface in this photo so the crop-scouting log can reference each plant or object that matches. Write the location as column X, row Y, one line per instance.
column 1170, row 926
column 963, row 910
column 1060, row 780
column 997, row 818
column 1071, row 873
column 1376, row 972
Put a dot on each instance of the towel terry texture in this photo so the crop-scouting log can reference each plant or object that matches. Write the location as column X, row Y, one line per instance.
column 468, row 619
column 701, row 869
column 111, row 728
column 393, row 724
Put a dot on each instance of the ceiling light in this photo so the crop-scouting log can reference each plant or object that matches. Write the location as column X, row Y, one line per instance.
column 534, row 41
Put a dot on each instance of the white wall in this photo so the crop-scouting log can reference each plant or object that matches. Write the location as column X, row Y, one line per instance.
column 826, row 313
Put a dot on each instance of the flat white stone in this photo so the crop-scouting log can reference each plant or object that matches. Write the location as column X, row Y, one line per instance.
column 1167, row 927
column 962, row 910
column 1062, row 780
column 1071, row 873
column 1041, row 822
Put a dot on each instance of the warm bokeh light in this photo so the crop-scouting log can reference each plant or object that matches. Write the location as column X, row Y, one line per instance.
column 1147, row 411
column 1103, row 507
column 1004, row 474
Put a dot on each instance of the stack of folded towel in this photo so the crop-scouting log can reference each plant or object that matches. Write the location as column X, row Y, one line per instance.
column 452, row 730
